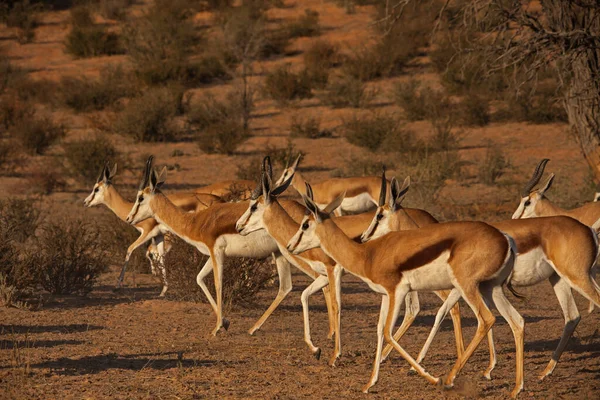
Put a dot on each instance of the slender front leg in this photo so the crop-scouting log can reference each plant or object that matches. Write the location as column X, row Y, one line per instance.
column 285, row 287
column 571, row 314
column 160, row 246
column 456, row 322
column 143, row 238
column 330, row 317
column 385, row 304
column 334, row 274
column 318, row 284
column 412, row 309
column 217, row 257
column 206, row 269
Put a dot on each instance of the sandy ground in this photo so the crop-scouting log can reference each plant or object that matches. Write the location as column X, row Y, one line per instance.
column 134, row 345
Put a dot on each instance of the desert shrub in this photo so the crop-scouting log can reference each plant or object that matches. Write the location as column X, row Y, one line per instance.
column 309, row 127
column 21, row 15
column 494, row 165
column 433, row 170
column 305, row 26
column 6, row 150
column 280, row 156
column 539, row 105
column 160, row 42
column 207, row 69
column 245, row 277
column 474, row 110
column 370, row 131
column 249, row 169
column 47, row 179
column 421, row 102
column 318, row 60
column 87, row 39
column 346, row 91
column 361, row 166
column 85, row 94
column 16, row 279
column 149, row 117
column 444, row 136
column 85, row 157
column 116, row 236
column 36, row 132
column 114, row 9
column 283, row 85
column 22, row 215
column 38, row 90
column 219, row 123
column 69, row 258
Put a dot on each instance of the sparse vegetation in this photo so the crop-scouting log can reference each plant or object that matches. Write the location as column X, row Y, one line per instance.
column 22, row 15
column 318, row 60
column 494, row 164
column 347, row 91
column 421, row 102
column 306, row 25
column 219, row 124
column 87, row 39
column 309, row 127
column 149, row 117
column 283, row 85
column 36, row 132
column 114, row 9
column 474, row 110
column 85, row 156
column 281, row 155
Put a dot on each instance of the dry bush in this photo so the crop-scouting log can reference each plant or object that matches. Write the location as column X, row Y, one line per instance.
column 318, row 60
column 370, row 131
column 149, row 117
column 85, row 94
column 347, row 91
column 249, row 169
column 219, row 124
column 494, row 164
column 361, row 166
column 36, row 132
column 47, row 179
column 309, row 127
column 444, row 136
column 69, row 257
column 16, row 84
column 306, row 25
column 474, row 110
column 87, row 39
column 283, row 85
column 21, row 15
column 242, row 280
column 160, row 42
column 6, row 152
column 539, row 104
column 21, row 215
column 86, row 156
column 280, row 155
column 114, row 9
column 421, row 102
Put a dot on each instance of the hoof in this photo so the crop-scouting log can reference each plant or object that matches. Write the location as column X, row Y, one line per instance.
column 226, row 324
column 365, row 389
column 412, row 372
column 332, row 361
column 487, row 375
column 317, row 353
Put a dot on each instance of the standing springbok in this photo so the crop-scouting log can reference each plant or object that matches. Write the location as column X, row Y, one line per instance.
column 213, row 233
column 471, row 258
column 545, row 251
column 105, row 193
column 361, row 192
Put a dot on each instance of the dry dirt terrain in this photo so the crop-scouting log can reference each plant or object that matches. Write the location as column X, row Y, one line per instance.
column 132, row 344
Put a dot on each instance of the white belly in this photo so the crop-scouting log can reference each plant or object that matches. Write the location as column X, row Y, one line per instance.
column 257, row 244
column 357, row 204
column 531, row 268
column 437, row 275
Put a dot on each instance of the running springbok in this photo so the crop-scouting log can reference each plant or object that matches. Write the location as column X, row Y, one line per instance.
column 105, row 193
column 214, row 234
column 361, row 192
column 544, row 252
column 471, row 258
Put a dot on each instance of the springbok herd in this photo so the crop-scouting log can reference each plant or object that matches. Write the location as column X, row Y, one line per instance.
column 359, row 225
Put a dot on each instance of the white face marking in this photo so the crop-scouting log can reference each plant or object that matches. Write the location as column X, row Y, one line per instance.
column 526, row 208
column 97, row 196
column 306, row 237
column 597, row 196
column 141, row 208
column 252, row 219
column 380, row 225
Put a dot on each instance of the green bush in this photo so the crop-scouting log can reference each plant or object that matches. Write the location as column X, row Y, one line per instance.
column 149, row 117
column 85, row 94
column 85, row 156
column 283, row 85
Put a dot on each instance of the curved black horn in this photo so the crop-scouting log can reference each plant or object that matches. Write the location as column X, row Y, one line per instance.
column 146, row 176
column 537, row 175
column 383, row 188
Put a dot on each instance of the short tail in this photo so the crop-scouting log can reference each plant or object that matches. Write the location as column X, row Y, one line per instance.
column 512, row 253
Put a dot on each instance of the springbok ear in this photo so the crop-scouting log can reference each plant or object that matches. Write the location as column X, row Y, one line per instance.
column 113, row 171
column 295, row 165
column 394, row 190
column 282, row 188
column 266, row 187
column 153, row 180
column 310, row 205
column 383, row 190
column 402, row 192
column 334, row 204
column 546, row 185
column 309, row 191
column 267, row 167
column 106, row 174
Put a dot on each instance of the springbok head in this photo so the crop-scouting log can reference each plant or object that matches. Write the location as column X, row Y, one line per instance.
column 149, row 187
column 100, row 189
column 288, row 171
column 262, row 198
column 306, row 238
column 530, row 198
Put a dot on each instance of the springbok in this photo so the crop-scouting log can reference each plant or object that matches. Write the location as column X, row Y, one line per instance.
column 241, row 189
column 361, row 192
column 542, row 254
column 213, row 233
column 105, row 193
column 471, row 258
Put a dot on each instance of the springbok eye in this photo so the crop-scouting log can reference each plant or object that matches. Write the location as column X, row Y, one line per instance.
column 527, row 203
column 305, row 226
column 140, row 199
column 96, row 190
column 379, row 217
column 253, row 207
